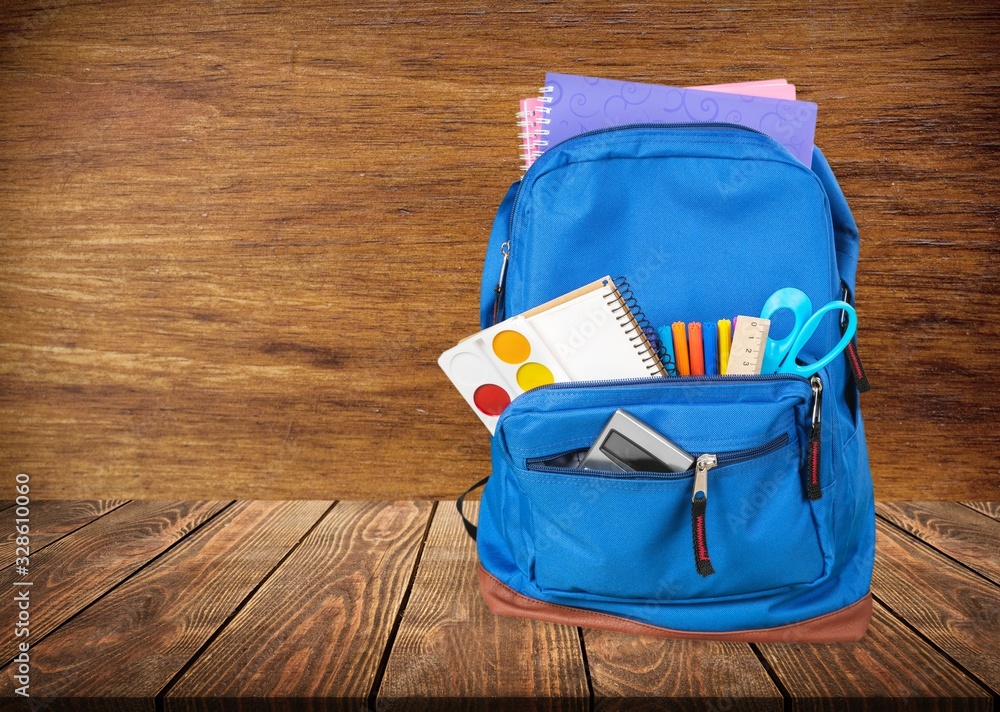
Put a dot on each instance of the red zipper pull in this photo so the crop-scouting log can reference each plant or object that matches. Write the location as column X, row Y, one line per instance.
column 853, row 359
column 813, row 488
column 699, row 506
column 857, row 370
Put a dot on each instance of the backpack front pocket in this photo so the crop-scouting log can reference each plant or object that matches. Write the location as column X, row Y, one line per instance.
column 741, row 526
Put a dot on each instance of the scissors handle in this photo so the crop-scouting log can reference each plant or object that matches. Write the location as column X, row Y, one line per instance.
column 791, row 365
column 776, row 350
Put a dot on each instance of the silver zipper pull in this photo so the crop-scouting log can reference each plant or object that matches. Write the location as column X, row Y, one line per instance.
column 705, row 463
column 498, row 295
column 817, row 388
column 505, row 251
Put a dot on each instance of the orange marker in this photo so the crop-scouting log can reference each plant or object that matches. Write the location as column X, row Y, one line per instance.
column 681, row 348
column 696, row 347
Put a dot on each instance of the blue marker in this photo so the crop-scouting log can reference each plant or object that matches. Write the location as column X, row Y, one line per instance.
column 667, row 352
column 710, row 335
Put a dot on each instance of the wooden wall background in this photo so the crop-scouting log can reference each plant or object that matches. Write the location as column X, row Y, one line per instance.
column 236, row 236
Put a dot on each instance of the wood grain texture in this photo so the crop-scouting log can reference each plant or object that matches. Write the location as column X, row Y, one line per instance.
column 990, row 509
column 957, row 610
column 950, row 528
column 72, row 573
column 50, row 520
column 890, row 668
column 132, row 642
column 313, row 636
column 451, row 653
column 222, row 260
column 631, row 673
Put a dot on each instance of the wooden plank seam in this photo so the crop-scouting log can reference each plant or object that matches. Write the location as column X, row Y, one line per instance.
column 933, row 549
column 133, row 574
column 922, row 545
column 235, row 612
column 387, row 651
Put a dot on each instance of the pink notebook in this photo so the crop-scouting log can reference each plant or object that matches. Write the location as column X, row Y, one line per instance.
column 531, row 121
column 767, row 88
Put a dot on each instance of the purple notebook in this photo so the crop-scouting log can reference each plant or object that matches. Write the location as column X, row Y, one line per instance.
column 581, row 104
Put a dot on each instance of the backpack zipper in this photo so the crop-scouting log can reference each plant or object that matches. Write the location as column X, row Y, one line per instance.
column 813, row 488
column 699, row 508
column 726, row 458
column 853, row 359
column 499, row 309
column 650, row 381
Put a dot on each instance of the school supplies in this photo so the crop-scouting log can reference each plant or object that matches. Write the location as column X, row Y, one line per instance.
column 747, row 352
column 626, row 444
column 780, row 356
column 725, row 341
column 667, row 355
column 492, row 367
column 532, row 119
column 592, row 333
column 710, row 333
column 773, row 88
column 681, row 348
column 578, row 104
column 696, row 349
column 597, row 333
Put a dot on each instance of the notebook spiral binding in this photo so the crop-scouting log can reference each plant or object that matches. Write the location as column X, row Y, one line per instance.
column 532, row 119
column 634, row 322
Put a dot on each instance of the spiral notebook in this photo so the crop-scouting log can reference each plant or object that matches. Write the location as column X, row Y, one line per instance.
column 596, row 332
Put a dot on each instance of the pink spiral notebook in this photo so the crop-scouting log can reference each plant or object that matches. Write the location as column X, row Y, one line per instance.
column 530, row 121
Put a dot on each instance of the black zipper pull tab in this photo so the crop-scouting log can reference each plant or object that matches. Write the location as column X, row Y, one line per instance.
column 853, row 359
column 498, row 291
column 699, row 506
column 815, row 439
column 857, row 370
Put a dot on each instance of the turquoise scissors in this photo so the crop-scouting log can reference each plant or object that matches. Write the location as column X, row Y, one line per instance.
column 781, row 355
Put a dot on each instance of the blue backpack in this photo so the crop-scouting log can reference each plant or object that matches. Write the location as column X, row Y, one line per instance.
column 705, row 221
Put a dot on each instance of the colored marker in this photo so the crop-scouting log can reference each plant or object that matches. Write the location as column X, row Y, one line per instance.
column 696, row 349
column 681, row 348
column 667, row 342
column 710, row 332
column 725, row 340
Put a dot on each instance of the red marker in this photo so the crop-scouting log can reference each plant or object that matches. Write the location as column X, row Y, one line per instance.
column 696, row 349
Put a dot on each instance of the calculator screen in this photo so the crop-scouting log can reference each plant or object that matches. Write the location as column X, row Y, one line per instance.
column 625, row 453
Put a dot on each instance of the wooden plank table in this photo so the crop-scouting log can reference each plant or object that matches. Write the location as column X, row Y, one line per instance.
column 288, row 605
